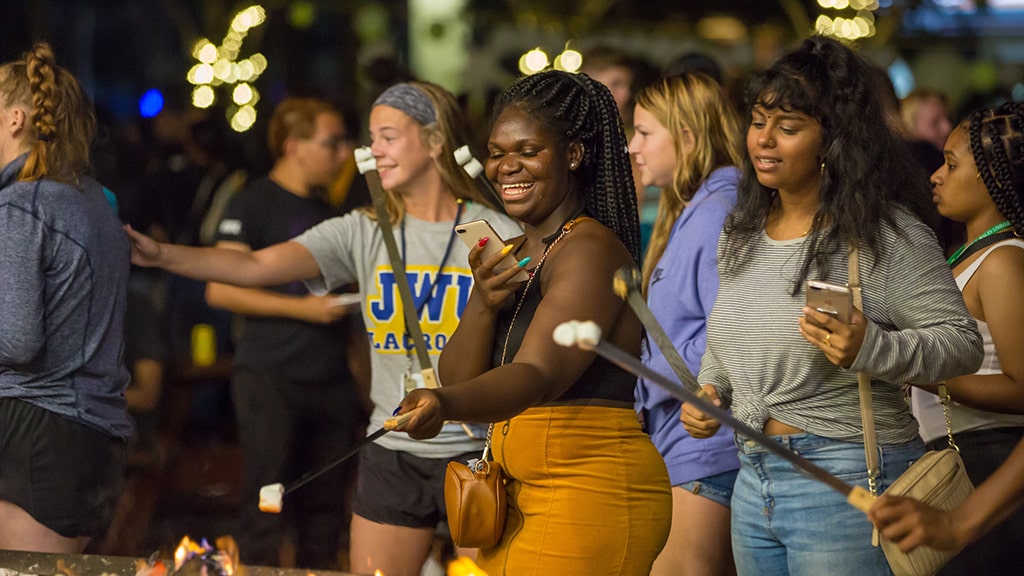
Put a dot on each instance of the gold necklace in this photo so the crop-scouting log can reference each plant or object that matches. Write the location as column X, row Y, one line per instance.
column 566, row 228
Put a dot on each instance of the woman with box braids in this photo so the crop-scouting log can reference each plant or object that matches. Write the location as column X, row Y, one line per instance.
column 557, row 155
column 583, row 110
column 824, row 174
column 63, row 277
column 982, row 185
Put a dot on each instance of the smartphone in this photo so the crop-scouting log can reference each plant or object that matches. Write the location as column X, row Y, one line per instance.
column 832, row 299
column 346, row 299
column 471, row 232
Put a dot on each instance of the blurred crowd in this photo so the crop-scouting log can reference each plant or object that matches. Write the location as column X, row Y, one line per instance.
column 233, row 387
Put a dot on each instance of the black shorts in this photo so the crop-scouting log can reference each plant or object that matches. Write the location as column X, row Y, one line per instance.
column 65, row 474
column 400, row 489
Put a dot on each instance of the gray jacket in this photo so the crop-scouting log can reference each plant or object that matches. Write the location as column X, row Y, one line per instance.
column 64, row 264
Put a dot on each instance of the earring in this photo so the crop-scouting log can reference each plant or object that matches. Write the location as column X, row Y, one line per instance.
column 572, row 165
column 822, row 167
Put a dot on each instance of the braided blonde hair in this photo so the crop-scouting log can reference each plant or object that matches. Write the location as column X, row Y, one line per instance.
column 61, row 122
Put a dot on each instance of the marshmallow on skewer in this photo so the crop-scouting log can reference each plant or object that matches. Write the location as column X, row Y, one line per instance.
column 270, row 498
column 565, row 333
column 271, row 495
column 464, row 158
column 365, row 161
column 586, row 335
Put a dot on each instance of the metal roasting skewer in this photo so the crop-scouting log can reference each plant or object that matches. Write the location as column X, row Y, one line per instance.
column 627, row 285
column 473, row 167
column 587, row 336
column 367, row 166
column 271, row 494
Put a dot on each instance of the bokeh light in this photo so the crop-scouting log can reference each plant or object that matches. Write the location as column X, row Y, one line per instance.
column 151, row 103
column 219, row 66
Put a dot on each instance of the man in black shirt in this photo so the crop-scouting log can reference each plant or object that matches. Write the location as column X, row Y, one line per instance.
column 294, row 398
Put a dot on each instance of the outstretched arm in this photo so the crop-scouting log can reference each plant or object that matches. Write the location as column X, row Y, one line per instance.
column 277, row 264
column 257, row 302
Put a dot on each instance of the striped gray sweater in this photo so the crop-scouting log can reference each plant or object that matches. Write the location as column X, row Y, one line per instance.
column 919, row 330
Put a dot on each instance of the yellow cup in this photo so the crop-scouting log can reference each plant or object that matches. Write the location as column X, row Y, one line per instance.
column 204, row 345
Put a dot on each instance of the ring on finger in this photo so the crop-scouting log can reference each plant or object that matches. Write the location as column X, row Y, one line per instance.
column 827, row 336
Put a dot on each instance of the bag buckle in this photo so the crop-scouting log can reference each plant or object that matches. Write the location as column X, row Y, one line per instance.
column 479, row 466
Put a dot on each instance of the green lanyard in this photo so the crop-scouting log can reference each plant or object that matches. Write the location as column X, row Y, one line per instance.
column 997, row 228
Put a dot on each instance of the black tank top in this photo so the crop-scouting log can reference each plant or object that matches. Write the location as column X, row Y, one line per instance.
column 602, row 379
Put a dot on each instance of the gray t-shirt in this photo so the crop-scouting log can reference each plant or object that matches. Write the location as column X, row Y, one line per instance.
column 351, row 249
column 918, row 330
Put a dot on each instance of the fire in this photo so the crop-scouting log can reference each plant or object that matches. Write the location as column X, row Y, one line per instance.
column 378, row 573
column 206, row 554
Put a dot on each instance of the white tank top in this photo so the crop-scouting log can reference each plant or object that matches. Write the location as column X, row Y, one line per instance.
column 926, row 406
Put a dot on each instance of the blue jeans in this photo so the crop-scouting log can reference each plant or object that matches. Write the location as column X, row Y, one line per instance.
column 785, row 523
column 717, row 488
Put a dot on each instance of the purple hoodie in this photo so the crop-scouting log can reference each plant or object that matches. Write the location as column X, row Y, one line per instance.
column 681, row 293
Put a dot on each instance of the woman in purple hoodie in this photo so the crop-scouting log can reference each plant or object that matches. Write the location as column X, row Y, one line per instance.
column 686, row 142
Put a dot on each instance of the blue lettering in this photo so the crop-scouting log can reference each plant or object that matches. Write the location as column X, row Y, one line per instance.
column 390, row 342
column 383, row 308
column 436, row 305
column 465, row 284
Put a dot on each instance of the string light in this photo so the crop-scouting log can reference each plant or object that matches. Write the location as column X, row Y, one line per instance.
column 569, row 60
column 860, row 26
column 533, row 61
column 219, row 66
column 537, row 60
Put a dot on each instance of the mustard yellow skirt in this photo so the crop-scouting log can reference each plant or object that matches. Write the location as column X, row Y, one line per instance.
column 588, row 494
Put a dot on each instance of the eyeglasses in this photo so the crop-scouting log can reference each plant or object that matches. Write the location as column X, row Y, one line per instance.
column 335, row 143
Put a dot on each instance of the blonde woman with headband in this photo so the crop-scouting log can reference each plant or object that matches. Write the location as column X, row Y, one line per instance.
column 414, row 129
column 63, row 283
column 686, row 142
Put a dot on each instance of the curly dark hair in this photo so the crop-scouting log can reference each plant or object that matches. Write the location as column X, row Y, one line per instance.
column 867, row 171
column 576, row 107
column 997, row 143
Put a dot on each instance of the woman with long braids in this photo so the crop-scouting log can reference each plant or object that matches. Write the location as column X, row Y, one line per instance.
column 824, row 173
column 686, row 142
column 63, row 283
column 982, row 185
column 587, row 491
column 414, row 129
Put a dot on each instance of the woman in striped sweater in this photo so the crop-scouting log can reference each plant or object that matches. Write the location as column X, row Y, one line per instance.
column 823, row 173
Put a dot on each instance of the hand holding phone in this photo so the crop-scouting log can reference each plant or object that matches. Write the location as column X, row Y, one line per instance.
column 473, row 231
column 831, row 299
